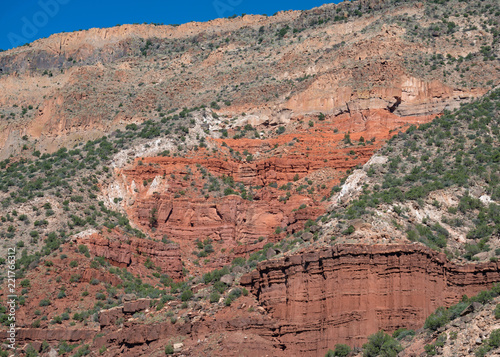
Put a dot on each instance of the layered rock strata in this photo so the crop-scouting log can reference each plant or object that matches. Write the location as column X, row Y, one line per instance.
column 132, row 253
column 345, row 293
column 313, row 300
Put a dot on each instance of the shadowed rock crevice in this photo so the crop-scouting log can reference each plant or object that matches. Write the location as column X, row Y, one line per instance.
column 394, row 106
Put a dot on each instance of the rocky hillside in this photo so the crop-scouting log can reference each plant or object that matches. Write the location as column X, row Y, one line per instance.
column 257, row 185
column 410, row 58
column 468, row 328
column 437, row 184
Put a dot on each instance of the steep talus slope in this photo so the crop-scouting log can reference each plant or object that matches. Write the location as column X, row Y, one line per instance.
column 474, row 330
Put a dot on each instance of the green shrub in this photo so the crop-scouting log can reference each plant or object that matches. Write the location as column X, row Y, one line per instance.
column 186, row 295
column 240, row 261
column 83, row 249
column 214, row 297
column 65, row 316
column 430, row 349
column 494, row 340
column 75, row 278
column 148, row 263
column 341, row 350
column 31, row 352
column 401, row 333
column 491, row 343
column 94, row 264
column 437, row 319
column 220, row 287
column 64, row 347
column 497, row 312
column 349, row 230
column 44, row 302
column 169, row 349
column 82, row 351
column 235, row 293
column 381, row 344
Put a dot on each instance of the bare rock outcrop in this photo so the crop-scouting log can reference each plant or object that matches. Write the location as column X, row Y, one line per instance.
column 111, row 316
column 345, row 293
column 132, row 252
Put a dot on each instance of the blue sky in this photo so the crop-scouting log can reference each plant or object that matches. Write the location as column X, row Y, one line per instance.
column 28, row 20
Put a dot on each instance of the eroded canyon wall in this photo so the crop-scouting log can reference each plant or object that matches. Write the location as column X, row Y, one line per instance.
column 310, row 302
column 345, row 293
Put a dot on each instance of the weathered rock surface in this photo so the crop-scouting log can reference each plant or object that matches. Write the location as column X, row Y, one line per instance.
column 135, row 306
column 133, row 252
column 464, row 336
column 303, row 94
column 345, row 293
column 111, row 316
column 312, row 300
column 76, row 81
column 55, row 335
column 174, row 189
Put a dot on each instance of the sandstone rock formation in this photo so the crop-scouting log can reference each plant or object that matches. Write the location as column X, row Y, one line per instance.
column 276, row 111
column 133, row 252
column 110, row 317
column 345, row 293
column 174, row 189
column 313, row 300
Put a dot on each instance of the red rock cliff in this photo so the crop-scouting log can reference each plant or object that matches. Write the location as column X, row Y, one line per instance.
column 345, row 293
column 314, row 300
